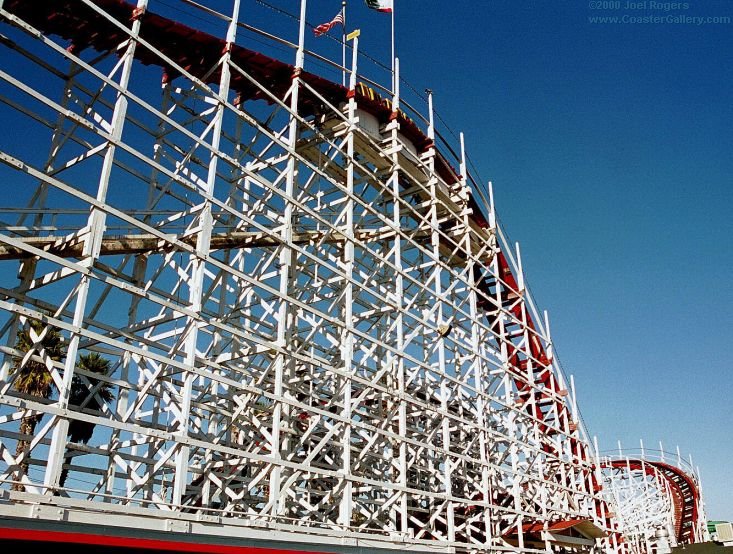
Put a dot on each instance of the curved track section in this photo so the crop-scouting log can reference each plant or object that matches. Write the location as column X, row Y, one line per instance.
column 308, row 320
column 659, row 503
column 682, row 489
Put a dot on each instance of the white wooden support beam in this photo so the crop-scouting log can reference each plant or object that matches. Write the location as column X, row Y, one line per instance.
column 492, row 208
column 283, row 363
column 92, row 244
column 347, row 337
column 198, row 264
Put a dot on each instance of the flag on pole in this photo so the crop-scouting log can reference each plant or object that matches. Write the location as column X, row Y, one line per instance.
column 323, row 28
column 384, row 6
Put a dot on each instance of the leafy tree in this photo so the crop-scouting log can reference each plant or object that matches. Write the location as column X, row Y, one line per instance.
column 82, row 431
column 33, row 378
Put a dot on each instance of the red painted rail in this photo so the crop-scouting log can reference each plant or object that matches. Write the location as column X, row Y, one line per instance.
column 685, row 493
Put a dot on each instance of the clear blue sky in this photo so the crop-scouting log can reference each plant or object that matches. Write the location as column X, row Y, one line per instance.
column 610, row 149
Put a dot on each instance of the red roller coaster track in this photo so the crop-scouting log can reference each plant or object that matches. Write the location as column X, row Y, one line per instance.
column 685, row 492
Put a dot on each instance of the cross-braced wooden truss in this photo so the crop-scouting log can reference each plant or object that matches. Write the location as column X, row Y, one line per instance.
column 657, row 497
column 311, row 320
column 645, row 505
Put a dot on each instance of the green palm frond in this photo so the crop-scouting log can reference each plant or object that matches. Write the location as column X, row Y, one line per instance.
column 81, row 394
column 33, row 377
column 92, row 363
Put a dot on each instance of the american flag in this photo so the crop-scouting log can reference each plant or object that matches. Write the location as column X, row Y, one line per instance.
column 323, row 28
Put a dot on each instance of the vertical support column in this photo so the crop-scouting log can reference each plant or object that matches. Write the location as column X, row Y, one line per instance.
column 199, row 265
column 438, row 275
column 90, row 252
column 395, row 147
column 539, row 429
column 499, row 329
column 548, row 335
column 448, row 469
column 139, row 271
column 557, row 389
column 701, row 532
column 476, row 349
column 241, row 185
column 492, row 522
column 569, row 428
column 597, row 492
column 287, row 260
column 343, row 44
column 645, row 494
column 123, row 393
column 516, row 491
column 347, row 348
column 526, row 336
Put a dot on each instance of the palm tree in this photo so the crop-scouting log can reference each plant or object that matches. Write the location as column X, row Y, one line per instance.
column 82, row 431
column 33, row 378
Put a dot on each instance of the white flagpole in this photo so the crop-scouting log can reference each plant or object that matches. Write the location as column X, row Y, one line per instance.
column 393, row 75
column 343, row 44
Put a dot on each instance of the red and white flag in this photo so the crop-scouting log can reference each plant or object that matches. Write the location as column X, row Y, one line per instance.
column 380, row 5
column 323, row 28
